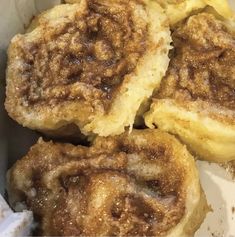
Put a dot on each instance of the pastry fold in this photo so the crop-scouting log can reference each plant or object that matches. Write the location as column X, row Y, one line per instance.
column 196, row 99
column 139, row 184
column 89, row 64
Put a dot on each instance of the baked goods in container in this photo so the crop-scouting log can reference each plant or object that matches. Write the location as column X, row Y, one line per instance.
column 178, row 10
column 196, row 100
column 89, row 64
column 139, row 184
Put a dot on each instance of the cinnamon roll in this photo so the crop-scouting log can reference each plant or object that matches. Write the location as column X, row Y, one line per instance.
column 178, row 10
column 196, row 100
column 139, row 184
column 89, row 64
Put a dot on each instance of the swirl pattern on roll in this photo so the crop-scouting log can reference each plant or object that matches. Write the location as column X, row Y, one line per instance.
column 142, row 184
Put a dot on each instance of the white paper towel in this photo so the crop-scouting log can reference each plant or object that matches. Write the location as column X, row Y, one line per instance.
column 14, row 224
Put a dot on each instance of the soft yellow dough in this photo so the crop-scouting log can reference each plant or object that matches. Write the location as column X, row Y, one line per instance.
column 178, row 10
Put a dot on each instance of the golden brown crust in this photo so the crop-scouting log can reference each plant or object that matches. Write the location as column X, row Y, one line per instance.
column 80, row 63
column 144, row 183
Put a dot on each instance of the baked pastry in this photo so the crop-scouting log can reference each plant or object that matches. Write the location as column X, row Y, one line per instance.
column 139, row 184
column 89, row 64
column 196, row 100
column 178, row 10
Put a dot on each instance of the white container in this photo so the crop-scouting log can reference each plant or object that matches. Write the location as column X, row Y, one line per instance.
column 15, row 140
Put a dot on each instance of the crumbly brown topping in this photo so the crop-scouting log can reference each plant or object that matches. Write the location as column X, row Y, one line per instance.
column 230, row 168
column 202, row 63
column 98, row 48
column 108, row 189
